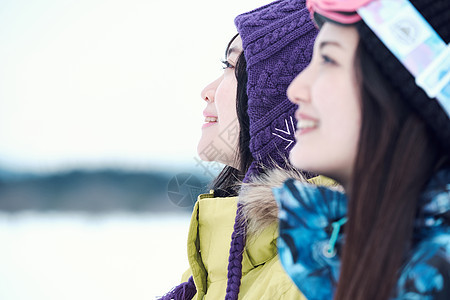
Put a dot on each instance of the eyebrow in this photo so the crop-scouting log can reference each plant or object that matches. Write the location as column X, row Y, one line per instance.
column 231, row 50
column 326, row 43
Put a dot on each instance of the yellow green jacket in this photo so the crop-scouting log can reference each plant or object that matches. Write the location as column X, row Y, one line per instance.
column 209, row 241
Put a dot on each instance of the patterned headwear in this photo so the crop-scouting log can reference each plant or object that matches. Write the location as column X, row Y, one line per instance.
column 437, row 14
column 278, row 41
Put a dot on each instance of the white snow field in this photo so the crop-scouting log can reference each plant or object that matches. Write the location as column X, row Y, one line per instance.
column 57, row 256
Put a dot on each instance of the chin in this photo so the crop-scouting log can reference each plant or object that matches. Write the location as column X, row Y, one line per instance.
column 201, row 146
column 301, row 161
column 203, row 156
column 296, row 157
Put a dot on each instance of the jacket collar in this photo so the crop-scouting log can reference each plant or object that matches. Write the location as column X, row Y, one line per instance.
column 259, row 207
column 209, row 237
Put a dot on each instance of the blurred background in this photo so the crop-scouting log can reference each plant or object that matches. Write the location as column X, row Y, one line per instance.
column 100, row 114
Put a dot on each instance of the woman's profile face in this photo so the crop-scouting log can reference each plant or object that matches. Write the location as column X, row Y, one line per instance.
column 329, row 116
column 220, row 130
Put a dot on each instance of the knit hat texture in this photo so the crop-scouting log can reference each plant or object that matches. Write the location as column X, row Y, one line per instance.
column 278, row 41
column 437, row 13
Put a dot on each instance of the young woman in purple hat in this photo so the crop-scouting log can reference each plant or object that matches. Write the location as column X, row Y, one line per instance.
column 249, row 127
column 374, row 107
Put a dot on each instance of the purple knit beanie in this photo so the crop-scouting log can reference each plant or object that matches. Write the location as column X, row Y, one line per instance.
column 278, row 41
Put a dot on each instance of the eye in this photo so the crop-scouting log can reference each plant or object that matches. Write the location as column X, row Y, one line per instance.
column 227, row 65
column 327, row 60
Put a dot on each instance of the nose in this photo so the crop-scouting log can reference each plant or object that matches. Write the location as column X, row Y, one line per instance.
column 209, row 92
column 299, row 89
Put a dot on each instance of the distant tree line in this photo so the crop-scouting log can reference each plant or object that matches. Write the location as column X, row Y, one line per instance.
column 93, row 191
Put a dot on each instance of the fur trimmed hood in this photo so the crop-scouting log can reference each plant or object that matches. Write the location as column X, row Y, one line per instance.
column 259, row 206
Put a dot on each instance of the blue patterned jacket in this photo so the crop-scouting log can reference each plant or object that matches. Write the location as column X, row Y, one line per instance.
column 310, row 220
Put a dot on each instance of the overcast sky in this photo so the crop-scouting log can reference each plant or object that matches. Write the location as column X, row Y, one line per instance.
column 105, row 83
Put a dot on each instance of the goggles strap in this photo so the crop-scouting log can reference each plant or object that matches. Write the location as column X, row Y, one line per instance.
column 412, row 40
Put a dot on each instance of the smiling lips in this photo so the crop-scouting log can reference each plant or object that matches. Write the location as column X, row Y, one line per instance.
column 306, row 123
column 209, row 121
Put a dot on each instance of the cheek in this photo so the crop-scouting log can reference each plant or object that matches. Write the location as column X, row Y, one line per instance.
column 337, row 100
column 346, row 123
column 225, row 100
column 350, row 103
column 338, row 107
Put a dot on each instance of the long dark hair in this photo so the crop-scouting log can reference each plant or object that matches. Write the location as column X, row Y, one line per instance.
column 227, row 182
column 396, row 157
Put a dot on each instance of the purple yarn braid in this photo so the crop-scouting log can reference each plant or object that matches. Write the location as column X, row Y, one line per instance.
column 235, row 258
column 184, row 291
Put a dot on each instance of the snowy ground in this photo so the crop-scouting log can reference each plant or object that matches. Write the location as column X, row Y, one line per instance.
column 90, row 257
